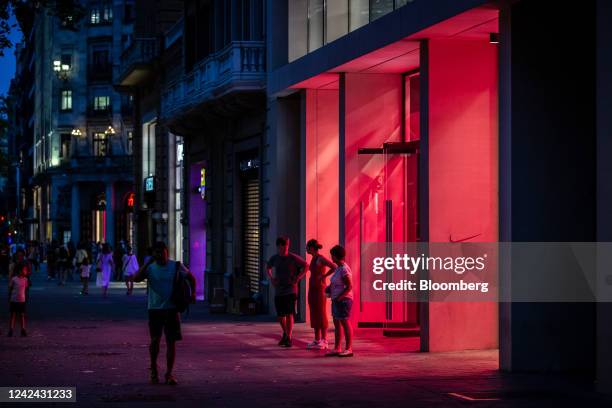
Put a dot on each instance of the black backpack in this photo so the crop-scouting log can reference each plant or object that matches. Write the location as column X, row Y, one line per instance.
column 181, row 290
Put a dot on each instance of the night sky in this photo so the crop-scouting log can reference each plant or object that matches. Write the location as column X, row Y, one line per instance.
column 7, row 62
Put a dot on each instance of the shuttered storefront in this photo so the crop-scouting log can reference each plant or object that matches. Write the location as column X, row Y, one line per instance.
column 250, row 232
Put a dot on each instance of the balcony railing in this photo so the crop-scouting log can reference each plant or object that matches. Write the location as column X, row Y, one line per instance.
column 239, row 66
column 105, row 112
column 121, row 163
column 136, row 60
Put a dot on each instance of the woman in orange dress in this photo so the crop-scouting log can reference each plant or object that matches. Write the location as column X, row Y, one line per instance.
column 317, row 300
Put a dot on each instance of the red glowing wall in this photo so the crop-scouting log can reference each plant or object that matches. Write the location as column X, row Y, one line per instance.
column 463, row 175
column 322, row 167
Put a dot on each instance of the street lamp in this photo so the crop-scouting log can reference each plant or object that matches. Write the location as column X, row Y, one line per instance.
column 61, row 70
column 110, row 131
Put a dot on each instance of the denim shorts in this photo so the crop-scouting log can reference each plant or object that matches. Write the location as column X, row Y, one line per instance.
column 341, row 309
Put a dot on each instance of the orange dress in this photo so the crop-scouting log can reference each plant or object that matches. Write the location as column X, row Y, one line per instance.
column 317, row 300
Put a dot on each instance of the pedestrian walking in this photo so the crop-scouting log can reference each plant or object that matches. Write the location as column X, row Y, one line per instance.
column 71, row 268
column 33, row 256
column 289, row 269
column 17, row 297
column 85, row 270
column 341, row 293
column 118, row 255
column 104, row 268
column 162, row 274
column 130, row 268
column 51, row 261
column 317, row 301
column 62, row 264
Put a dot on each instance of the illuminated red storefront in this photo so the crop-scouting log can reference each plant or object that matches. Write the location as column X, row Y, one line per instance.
column 447, row 121
column 370, row 176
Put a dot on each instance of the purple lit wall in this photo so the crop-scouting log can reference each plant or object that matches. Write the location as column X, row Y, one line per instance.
column 197, row 228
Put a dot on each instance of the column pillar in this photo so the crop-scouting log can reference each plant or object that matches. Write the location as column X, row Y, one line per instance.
column 75, row 221
column 110, row 213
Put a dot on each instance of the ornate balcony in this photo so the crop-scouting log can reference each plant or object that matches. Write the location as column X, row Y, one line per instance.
column 137, row 62
column 238, row 67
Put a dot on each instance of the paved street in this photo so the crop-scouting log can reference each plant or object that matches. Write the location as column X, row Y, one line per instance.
column 100, row 346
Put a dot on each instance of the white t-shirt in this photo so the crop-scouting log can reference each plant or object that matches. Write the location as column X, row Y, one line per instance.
column 336, row 282
column 19, row 284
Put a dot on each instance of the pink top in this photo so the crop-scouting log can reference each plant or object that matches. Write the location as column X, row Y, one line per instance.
column 19, row 285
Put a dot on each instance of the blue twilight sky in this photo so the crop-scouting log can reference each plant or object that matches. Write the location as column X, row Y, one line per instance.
column 7, row 62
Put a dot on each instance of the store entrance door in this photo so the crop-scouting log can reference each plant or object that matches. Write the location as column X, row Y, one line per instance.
column 389, row 214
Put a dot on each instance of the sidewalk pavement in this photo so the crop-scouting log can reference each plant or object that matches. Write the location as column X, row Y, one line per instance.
column 101, row 347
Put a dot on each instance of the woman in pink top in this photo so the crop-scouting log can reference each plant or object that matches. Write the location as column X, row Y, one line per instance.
column 17, row 295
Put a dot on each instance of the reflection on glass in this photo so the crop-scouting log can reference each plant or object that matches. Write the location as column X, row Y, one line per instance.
column 359, row 13
column 315, row 24
column 379, row 8
column 337, row 20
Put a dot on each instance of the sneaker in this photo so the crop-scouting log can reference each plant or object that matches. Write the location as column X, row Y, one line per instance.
column 288, row 343
column 24, row 333
column 323, row 345
column 313, row 344
column 346, row 353
column 332, row 353
column 170, row 380
column 282, row 340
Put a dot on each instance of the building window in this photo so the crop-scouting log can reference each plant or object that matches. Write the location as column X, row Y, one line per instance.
column 148, row 149
column 94, row 15
column 178, row 198
column 316, row 26
column 67, row 22
column 314, row 23
column 66, row 100
column 100, row 144
column 99, row 59
column 130, row 142
column 128, row 11
column 66, row 62
column 101, row 13
column 101, row 103
column 66, row 140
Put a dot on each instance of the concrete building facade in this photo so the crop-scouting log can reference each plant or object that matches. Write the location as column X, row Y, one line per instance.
column 466, row 97
column 82, row 146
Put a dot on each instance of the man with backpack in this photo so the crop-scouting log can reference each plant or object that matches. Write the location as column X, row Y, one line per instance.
column 171, row 288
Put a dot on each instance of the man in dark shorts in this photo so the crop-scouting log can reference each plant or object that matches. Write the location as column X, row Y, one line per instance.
column 289, row 269
column 160, row 273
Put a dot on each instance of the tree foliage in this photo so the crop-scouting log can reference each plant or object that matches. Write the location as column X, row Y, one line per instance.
column 69, row 13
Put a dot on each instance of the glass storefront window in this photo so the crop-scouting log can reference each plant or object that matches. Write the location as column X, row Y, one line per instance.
column 379, row 8
column 359, row 13
column 336, row 20
column 314, row 23
column 316, row 18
